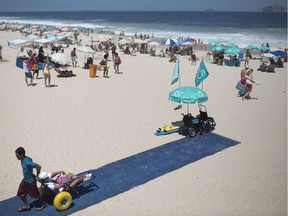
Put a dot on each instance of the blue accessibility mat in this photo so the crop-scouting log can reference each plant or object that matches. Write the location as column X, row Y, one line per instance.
column 125, row 174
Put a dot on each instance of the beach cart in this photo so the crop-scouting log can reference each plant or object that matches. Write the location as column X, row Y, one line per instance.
column 62, row 200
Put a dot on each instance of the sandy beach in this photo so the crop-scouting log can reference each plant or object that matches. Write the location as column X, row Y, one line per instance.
column 84, row 123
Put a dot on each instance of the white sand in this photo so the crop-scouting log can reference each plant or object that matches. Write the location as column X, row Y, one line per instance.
column 86, row 123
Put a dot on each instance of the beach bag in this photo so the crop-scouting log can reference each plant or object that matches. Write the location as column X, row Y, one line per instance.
column 102, row 62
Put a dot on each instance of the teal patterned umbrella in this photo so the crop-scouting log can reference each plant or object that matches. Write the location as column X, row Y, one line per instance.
column 188, row 95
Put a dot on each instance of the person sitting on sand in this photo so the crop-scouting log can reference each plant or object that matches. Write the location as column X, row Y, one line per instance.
column 172, row 57
column 63, row 181
column 248, row 85
column 127, row 50
column 162, row 54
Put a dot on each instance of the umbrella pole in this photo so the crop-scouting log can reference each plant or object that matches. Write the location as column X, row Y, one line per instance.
column 180, row 106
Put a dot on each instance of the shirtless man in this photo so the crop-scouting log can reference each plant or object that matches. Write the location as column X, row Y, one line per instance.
column 242, row 75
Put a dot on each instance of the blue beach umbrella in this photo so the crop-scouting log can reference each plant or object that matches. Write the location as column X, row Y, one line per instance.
column 232, row 50
column 217, row 48
column 172, row 42
column 251, row 47
column 279, row 53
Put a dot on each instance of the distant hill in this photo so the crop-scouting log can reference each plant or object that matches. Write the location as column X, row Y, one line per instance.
column 209, row 10
column 273, row 9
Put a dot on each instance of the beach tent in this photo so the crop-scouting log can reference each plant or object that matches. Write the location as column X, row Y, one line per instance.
column 43, row 41
column 17, row 43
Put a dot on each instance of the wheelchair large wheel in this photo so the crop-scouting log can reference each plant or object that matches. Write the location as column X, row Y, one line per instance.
column 210, row 125
column 62, row 201
column 192, row 132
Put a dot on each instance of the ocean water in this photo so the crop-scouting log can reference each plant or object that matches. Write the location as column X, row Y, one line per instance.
column 242, row 28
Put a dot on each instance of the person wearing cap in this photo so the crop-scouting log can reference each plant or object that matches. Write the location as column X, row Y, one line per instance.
column 28, row 184
column 63, row 180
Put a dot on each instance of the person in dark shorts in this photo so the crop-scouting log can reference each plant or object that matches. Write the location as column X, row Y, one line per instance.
column 28, row 184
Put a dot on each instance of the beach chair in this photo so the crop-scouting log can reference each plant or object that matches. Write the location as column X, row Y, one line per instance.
column 64, row 73
column 241, row 56
column 63, row 199
column 241, row 88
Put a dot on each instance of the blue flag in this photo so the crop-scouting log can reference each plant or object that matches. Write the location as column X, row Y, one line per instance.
column 201, row 74
column 175, row 75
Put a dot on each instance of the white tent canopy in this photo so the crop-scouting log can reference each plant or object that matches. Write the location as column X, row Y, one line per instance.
column 17, row 43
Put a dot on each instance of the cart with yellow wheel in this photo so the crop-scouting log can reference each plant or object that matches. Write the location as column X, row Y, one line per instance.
column 62, row 198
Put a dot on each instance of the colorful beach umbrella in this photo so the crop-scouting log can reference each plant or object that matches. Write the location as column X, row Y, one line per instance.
column 192, row 40
column 172, row 42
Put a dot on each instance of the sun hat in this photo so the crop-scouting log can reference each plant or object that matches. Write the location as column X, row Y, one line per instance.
column 44, row 175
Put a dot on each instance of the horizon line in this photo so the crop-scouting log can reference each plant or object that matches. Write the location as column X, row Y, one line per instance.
column 206, row 10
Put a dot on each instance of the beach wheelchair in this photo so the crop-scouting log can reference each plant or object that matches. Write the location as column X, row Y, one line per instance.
column 199, row 124
column 62, row 199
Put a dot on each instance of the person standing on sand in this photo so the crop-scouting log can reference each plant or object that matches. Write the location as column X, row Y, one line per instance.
column 28, row 184
column 242, row 75
column 113, row 48
column 104, row 62
column 46, row 73
column 117, row 62
column 74, row 57
column 1, row 53
column 27, row 66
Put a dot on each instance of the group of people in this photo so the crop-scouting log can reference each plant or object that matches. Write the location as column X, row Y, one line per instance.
column 116, row 62
column 28, row 184
column 31, row 65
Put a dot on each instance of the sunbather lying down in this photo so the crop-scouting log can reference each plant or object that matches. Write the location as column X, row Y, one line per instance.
column 63, row 181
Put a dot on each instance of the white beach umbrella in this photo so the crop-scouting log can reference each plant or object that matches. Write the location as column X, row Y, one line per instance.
column 124, row 41
column 32, row 37
column 187, row 43
column 17, row 43
column 61, row 59
column 153, row 43
column 85, row 49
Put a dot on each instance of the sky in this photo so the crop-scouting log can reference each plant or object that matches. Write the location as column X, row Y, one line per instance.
column 137, row 5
